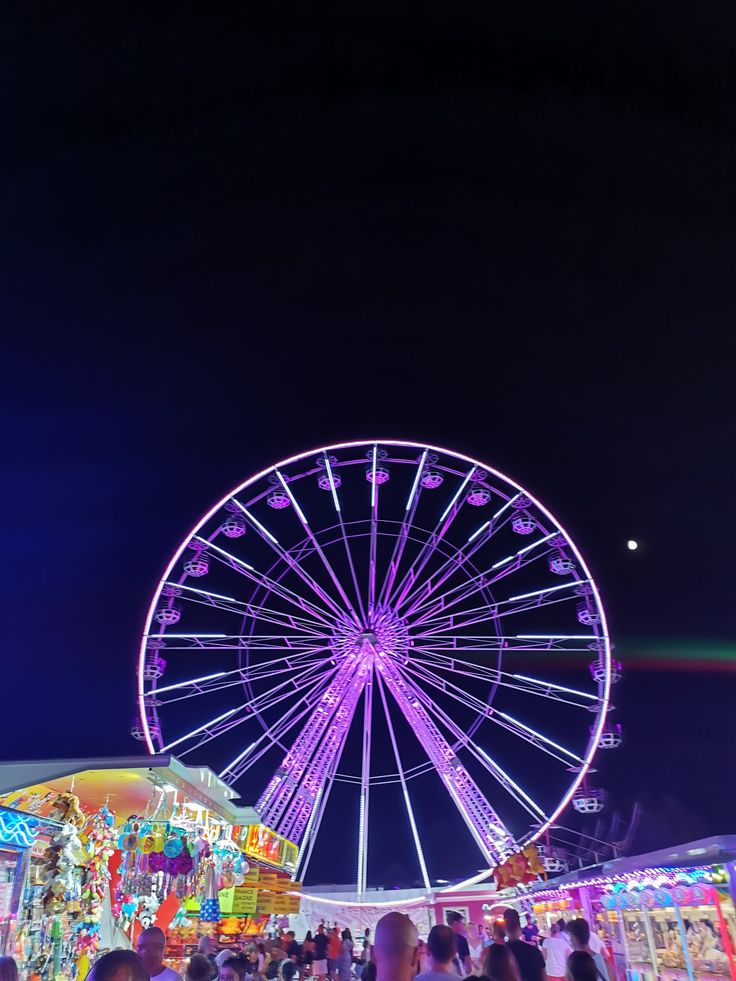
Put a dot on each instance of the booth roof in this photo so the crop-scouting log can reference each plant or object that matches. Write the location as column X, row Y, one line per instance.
column 127, row 783
column 707, row 851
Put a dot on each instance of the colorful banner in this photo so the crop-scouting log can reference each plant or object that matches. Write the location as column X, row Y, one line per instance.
column 225, row 898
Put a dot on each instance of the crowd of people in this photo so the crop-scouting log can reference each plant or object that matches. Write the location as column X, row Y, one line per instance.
column 509, row 952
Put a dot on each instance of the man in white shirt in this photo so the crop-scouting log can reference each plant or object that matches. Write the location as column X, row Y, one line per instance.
column 556, row 950
column 151, row 950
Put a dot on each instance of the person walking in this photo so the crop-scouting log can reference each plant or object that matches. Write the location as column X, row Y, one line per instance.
column 528, row 957
column 555, row 950
column 463, row 960
column 234, row 969
column 531, row 931
column 200, row 968
column 365, row 954
column 345, row 960
column 321, row 943
column 8, row 969
column 334, row 950
column 581, row 967
column 117, row 965
column 307, row 954
column 498, row 964
column 579, row 931
column 441, row 953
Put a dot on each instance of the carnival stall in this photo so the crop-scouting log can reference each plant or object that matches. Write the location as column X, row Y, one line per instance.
column 93, row 851
column 668, row 914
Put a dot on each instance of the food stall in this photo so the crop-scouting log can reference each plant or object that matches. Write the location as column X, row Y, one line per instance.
column 93, row 851
column 668, row 914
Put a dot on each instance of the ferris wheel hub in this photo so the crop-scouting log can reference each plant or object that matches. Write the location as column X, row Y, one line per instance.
column 385, row 633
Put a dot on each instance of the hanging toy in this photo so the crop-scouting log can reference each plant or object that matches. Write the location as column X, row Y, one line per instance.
column 173, row 847
column 210, row 907
column 180, row 919
column 210, row 911
column 148, row 910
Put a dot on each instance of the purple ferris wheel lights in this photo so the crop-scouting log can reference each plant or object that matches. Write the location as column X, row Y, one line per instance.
column 409, row 588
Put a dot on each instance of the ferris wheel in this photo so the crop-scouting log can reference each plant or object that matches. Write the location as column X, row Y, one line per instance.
column 374, row 614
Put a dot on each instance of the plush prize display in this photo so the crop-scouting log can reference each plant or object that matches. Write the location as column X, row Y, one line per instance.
column 66, row 810
column 98, row 846
column 524, row 866
column 62, row 886
column 158, row 859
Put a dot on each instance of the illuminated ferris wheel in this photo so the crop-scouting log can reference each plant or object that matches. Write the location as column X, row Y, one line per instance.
column 373, row 614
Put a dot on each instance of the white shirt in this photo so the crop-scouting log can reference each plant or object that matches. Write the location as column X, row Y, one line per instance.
column 557, row 950
column 168, row 974
column 596, row 944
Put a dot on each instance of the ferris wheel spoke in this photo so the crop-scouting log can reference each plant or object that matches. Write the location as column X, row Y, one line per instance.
column 488, row 831
column 511, row 564
column 455, row 562
column 404, row 787
column 480, row 614
column 412, row 574
column 496, row 716
column 217, row 682
column 224, row 722
column 529, row 643
column 295, row 713
column 228, row 604
column 403, row 535
column 493, row 676
column 286, row 556
column 348, row 553
column 323, row 558
column 535, row 738
column 540, row 599
column 261, row 579
column 483, row 757
column 269, row 642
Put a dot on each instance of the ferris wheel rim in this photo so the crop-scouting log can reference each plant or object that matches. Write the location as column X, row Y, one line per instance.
column 603, row 635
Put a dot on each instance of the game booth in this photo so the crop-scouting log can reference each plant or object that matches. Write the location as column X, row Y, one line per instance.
column 93, row 851
column 668, row 914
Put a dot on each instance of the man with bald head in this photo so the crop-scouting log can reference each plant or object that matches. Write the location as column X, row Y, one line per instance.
column 395, row 948
column 151, row 949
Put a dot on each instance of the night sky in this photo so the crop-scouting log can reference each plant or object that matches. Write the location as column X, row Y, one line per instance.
column 228, row 237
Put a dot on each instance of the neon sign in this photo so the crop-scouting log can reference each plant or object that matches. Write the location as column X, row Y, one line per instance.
column 695, row 895
column 17, row 829
column 263, row 843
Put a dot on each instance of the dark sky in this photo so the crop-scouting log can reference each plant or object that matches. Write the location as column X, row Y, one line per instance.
column 230, row 236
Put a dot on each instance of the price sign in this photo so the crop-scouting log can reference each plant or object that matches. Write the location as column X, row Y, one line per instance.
column 245, row 900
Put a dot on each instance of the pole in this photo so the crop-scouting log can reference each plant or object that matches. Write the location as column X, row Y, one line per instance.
column 683, row 938
column 725, row 934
